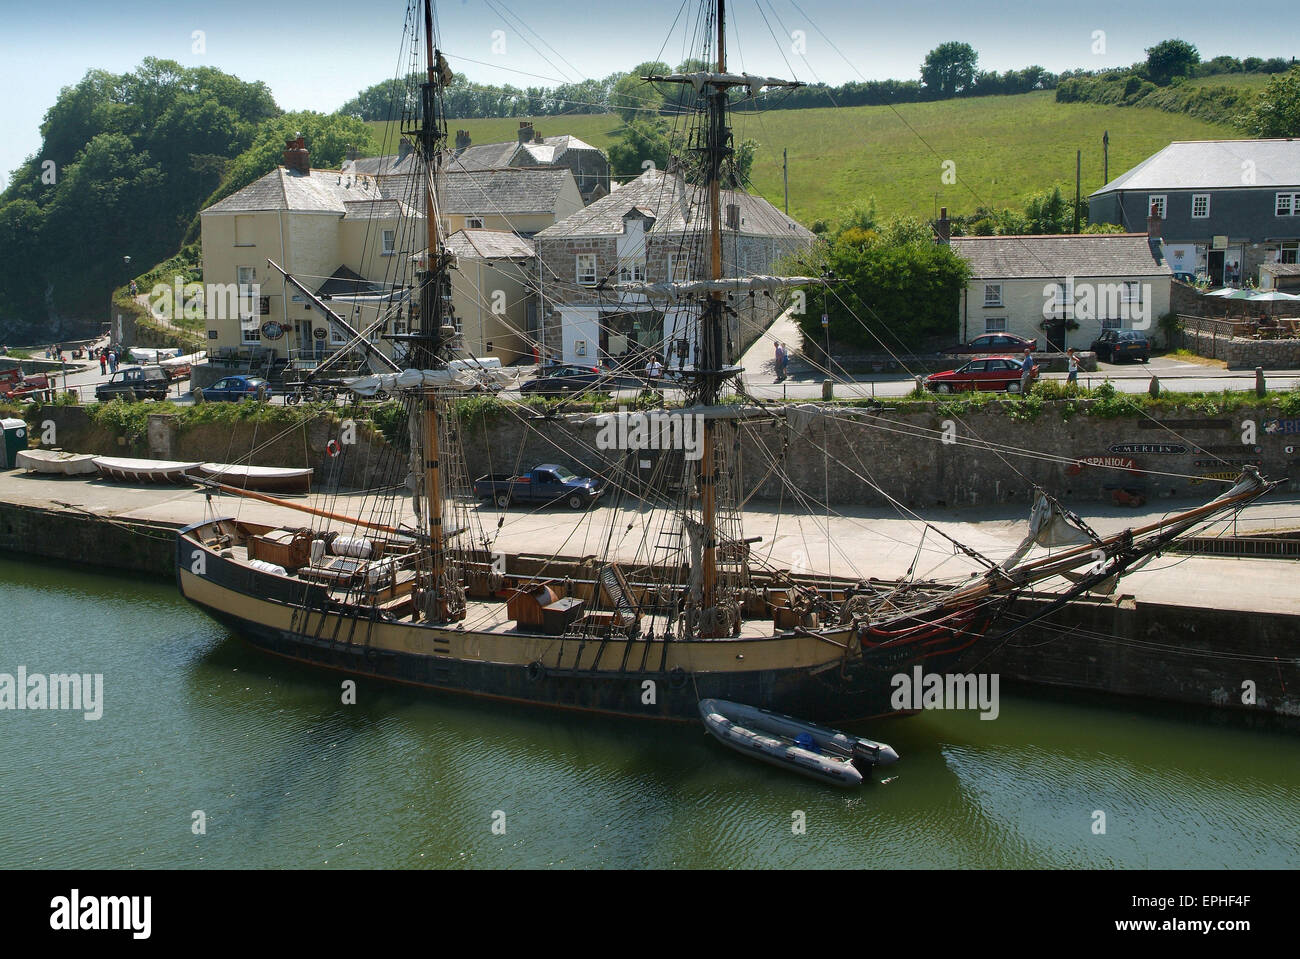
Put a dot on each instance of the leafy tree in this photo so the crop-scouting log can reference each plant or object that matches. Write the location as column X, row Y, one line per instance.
column 1277, row 111
column 632, row 97
column 898, row 287
column 1169, row 59
column 949, row 69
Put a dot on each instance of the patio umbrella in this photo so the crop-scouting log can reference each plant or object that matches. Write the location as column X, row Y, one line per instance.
column 1226, row 291
column 1273, row 296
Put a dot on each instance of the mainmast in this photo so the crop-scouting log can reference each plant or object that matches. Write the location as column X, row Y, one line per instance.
column 437, row 327
column 712, row 368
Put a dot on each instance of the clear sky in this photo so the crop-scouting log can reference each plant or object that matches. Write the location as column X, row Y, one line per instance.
column 316, row 54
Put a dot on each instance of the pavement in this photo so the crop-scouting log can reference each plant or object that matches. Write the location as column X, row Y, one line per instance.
column 855, row 542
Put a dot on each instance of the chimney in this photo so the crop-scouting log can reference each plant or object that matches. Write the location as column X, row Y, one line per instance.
column 1154, row 224
column 352, row 154
column 944, row 226
column 462, row 140
column 296, row 157
column 525, row 131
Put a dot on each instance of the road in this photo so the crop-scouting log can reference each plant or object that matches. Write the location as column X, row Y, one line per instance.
column 1175, row 375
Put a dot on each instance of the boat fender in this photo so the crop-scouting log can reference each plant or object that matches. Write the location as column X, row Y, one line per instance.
column 354, row 546
column 535, row 671
column 676, row 677
column 317, row 551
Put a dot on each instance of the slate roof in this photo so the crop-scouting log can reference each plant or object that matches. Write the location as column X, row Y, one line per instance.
column 321, row 191
column 1052, row 257
column 493, row 156
column 377, row 209
column 1213, row 164
column 1283, row 269
column 376, row 166
column 677, row 207
column 346, row 282
column 514, row 190
column 490, row 245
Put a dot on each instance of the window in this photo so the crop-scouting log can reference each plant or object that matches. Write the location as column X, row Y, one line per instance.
column 679, row 267
column 1132, row 291
column 1111, row 324
column 995, row 324
column 473, row 223
column 634, row 271
column 1156, row 206
column 993, row 294
column 247, row 277
column 336, row 336
column 251, row 334
column 390, row 242
column 1200, row 206
column 1288, row 204
column 580, row 348
column 586, row 270
column 1288, row 252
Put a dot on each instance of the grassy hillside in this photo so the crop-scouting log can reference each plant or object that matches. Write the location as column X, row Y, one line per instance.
column 1004, row 148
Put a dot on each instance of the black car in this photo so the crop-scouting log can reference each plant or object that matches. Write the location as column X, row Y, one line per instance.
column 567, row 380
column 1115, row 345
column 994, row 343
column 135, row 383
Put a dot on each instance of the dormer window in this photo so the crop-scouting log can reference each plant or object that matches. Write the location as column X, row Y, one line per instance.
column 733, row 216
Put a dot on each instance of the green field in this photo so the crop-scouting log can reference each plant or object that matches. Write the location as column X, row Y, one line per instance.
column 1004, row 149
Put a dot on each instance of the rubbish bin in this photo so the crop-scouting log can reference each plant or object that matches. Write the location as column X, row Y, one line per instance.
column 15, row 441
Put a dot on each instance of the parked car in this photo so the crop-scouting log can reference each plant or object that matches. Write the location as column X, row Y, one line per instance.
column 1185, row 278
column 1115, row 345
column 234, row 388
column 547, row 483
column 994, row 343
column 134, row 383
column 571, row 380
column 987, row 374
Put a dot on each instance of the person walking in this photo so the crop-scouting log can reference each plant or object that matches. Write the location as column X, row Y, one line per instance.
column 1026, row 371
column 103, row 364
column 781, row 360
column 1072, row 359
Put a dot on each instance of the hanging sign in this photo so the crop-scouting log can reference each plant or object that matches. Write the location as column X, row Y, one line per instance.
column 1172, row 448
column 272, row 330
column 1105, row 462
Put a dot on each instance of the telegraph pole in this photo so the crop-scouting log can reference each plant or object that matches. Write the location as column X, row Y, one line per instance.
column 785, row 174
column 1078, row 165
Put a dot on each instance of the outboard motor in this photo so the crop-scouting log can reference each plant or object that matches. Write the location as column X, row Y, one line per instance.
column 865, row 755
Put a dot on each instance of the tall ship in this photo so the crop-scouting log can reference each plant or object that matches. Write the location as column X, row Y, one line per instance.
column 416, row 592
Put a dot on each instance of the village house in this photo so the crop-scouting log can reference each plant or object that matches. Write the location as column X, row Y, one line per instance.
column 349, row 236
column 1229, row 206
column 1039, row 287
column 653, row 229
column 589, row 166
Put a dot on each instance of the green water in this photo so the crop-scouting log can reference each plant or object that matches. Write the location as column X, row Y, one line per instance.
column 288, row 776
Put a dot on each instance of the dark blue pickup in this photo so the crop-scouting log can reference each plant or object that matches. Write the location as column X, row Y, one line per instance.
column 547, row 483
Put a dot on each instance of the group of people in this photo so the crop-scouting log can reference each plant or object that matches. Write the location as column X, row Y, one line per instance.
column 782, row 361
column 108, row 360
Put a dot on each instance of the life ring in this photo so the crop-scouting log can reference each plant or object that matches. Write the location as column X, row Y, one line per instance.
column 676, row 677
column 333, row 448
column 535, row 671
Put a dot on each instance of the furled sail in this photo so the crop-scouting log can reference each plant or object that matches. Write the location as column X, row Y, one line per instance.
column 730, row 284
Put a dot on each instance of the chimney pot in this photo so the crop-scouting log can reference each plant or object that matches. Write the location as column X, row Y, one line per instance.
column 944, row 226
column 296, row 157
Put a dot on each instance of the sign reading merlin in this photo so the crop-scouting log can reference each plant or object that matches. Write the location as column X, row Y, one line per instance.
column 1131, row 448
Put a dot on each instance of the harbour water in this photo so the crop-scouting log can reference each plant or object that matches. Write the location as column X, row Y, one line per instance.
column 286, row 775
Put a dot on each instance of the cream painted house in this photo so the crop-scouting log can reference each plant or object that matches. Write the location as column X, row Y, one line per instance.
column 493, row 290
column 350, row 237
column 1037, row 286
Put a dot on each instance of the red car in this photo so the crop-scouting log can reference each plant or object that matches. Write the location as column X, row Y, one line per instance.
column 993, row 343
column 989, row 373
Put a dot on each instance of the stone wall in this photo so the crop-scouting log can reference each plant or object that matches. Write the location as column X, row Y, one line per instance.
column 1243, row 353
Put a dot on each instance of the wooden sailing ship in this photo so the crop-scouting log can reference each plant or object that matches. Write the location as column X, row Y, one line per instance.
column 430, row 603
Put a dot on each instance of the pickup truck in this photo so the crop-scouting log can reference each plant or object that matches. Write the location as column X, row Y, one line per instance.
column 547, row 483
column 135, row 383
column 14, row 385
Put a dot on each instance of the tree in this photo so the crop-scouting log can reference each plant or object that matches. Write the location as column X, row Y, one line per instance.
column 949, row 69
column 631, row 97
column 898, row 287
column 1277, row 111
column 1169, row 59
